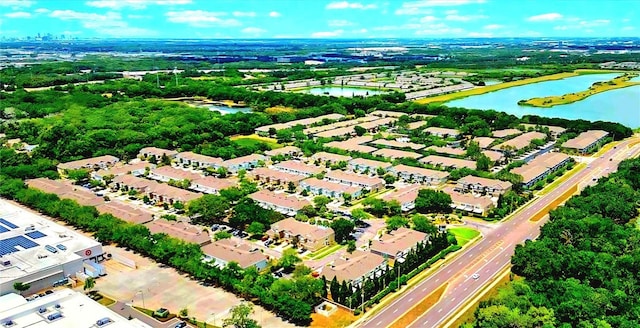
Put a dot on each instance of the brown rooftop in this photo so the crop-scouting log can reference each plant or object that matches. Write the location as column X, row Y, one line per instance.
column 398, row 144
column 180, row 230
column 350, row 146
column 354, row 178
column 106, row 160
column 491, row 183
column 539, row 165
column 324, row 156
column 175, row 174
column 404, row 195
column 397, row 241
column 442, row 131
column 395, row 154
column 191, row 156
column 331, row 186
column 483, row 142
column 493, row 155
column 447, row 150
column 370, row 163
column 243, row 159
column 585, row 139
column 215, row 183
column 158, row 152
column 521, row 141
column 125, row 212
column 299, row 166
column 352, row 266
column 420, row 171
column 233, row 250
column 448, row 162
column 505, row 133
column 120, row 169
column 65, row 190
column 297, row 228
column 271, row 174
column 279, row 199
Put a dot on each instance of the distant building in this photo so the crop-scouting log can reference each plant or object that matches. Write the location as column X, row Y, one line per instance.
column 353, row 179
column 169, row 173
column 197, row 160
column 324, row 157
column 310, row 237
column 243, row 163
column 483, row 185
column 419, row 175
column 398, row 144
column 448, row 162
column 125, row 212
column 406, row 196
column 180, row 230
column 447, row 150
column 299, row 168
column 480, row 205
column 211, row 185
column 540, row 167
column 329, row 189
column 92, row 164
column 586, row 142
column 157, row 153
column 275, row 177
column 443, row 132
column 136, row 169
column 520, row 142
column 367, row 165
column 279, row 202
column 288, row 151
column 394, row 154
column 65, row 190
column 506, row 133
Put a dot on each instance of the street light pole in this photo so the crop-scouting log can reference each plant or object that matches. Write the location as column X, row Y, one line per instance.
column 142, row 292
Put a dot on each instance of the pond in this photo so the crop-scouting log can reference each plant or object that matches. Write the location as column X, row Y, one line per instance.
column 228, row 110
column 341, row 91
column 619, row 105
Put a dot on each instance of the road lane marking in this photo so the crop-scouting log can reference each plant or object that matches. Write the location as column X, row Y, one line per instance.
column 379, row 322
column 425, row 323
column 411, row 299
column 424, row 289
column 396, row 310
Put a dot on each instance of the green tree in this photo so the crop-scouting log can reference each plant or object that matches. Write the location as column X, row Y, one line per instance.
column 473, row 150
column 222, row 172
column 208, row 209
column 431, row 201
column 422, row 224
column 342, row 229
column 347, row 198
column 223, row 234
column 289, row 259
column 240, row 317
column 359, row 214
column 21, row 287
column 360, row 131
column 483, row 163
column 351, row 246
column 321, row 202
column 396, row 222
column 89, row 284
column 291, row 187
column 256, row 228
column 380, row 172
column 78, row 175
column 389, row 179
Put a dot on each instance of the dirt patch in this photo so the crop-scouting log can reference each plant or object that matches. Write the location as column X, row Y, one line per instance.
column 341, row 318
column 419, row 308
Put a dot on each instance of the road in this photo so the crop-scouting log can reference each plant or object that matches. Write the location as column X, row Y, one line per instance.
column 491, row 254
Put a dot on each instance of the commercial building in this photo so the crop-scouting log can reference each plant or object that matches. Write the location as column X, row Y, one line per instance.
column 157, row 153
column 93, row 164
column 352, row 179
column 354, row 268
column 483, row 185
column 395, row 154
column 279, row 202
column 586, row 141
column 540, row 167
column 64, row 308
column 199, row 161
column 299, row 168
column 224, row 251
column 243, row 163
column 442, row 132
column 448, row 162
column 39, row 252
column 367, row 165
column 396, row 244
column 406, row 196
column 419, row 175
column 180, row 230
column 329, row 189
column 308, row 236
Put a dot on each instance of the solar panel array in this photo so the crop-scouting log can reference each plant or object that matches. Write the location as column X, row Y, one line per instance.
column 3, row 229
column 35, row 234
column 8, row 224
column 8, row 245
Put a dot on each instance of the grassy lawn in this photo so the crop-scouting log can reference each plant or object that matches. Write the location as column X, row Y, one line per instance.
column 325, row 251
column 254, row 139
column 464, row 235
column 617, row 83
column 106, row 301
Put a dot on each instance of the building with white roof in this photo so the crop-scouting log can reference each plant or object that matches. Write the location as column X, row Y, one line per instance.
column 39, row 252
column 64, row 308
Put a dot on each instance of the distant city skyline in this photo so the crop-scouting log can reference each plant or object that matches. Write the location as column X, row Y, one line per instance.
column 194, row 19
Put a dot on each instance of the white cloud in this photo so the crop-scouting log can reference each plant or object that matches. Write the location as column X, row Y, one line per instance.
column 15, row 4
column 253, row 30
column 138, row 17
column 428, row 19
column 109, row 24
column 460, row 18
column 350, row 5
column 244, row 14
column 18, row 14
column 628, row 28
column 42, row 10
column 327, row 34
column 493, row 27
column 274, row 14
column 479, row 35
column 545, row 17
column 583, row 25
column 200, row 18
column 451, row 12
column 339, row 23
column 133, row 4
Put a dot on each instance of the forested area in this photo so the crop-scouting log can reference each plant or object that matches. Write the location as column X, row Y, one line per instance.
column 583, row 269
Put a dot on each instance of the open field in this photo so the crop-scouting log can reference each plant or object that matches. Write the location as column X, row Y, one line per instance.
column 496, row 87
column 279, row 109
column 598, row 87
column 253, row 139
column 464, row 235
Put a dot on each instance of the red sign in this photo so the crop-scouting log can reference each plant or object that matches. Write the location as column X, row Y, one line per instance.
column 87, row 252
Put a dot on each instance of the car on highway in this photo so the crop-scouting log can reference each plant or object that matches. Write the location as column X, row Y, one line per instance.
column 475, row 276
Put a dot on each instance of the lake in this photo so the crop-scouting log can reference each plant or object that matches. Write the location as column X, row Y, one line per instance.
column 341, row 91
column 620, row 105
column 228, row 110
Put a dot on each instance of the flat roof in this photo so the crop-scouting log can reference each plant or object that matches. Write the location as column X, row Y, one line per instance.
column 404, row 195
column 279, row 199
column 76, row 310
column 397, row 241
column 331, row 186
column 299, row 166
column 447, row 150
column 25, row 239
column 506, row 133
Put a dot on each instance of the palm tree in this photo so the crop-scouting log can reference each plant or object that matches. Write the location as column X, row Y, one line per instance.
column 89, row 283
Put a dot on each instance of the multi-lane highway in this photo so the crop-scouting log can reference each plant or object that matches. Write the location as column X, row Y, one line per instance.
column 491, row 254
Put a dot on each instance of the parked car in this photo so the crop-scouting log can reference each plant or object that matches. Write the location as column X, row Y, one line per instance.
column 180, row 324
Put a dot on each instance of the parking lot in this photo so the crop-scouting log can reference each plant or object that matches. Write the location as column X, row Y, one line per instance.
column 152, row 286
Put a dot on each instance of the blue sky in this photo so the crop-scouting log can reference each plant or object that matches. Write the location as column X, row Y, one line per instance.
column 319, row 19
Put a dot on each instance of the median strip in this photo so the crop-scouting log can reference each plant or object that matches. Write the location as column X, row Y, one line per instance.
column 419, row 308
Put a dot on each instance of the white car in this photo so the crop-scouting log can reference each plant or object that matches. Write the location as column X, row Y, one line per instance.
column 475, row 276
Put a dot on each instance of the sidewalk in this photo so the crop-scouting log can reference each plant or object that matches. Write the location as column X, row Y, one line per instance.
column 125, row 310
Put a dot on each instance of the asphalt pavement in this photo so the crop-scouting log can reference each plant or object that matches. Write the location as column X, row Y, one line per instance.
column 490, row 255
